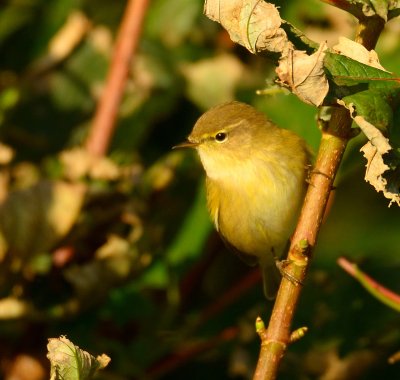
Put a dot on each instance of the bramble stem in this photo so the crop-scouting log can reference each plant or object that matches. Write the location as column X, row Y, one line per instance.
column 275, row 339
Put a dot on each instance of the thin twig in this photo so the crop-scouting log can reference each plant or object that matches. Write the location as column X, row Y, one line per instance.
column 103, row 125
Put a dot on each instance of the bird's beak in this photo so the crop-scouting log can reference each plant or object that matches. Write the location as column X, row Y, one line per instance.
column 186, row 144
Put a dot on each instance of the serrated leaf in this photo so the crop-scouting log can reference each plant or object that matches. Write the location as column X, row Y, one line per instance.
column 376, row 170
column 69, row 362
column 358, row 52
column 374, row 105
column 372, row 110
column 345, row 71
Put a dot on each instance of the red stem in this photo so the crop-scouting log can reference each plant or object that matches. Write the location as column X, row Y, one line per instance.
column 126, row 44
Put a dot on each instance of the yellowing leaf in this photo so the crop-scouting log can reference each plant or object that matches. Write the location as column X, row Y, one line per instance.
column 69, row 362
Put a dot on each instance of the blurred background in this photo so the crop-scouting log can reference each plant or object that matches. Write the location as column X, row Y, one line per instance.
column 118, row 252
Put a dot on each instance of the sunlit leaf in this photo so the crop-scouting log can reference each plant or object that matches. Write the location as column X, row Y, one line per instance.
column 69, row 362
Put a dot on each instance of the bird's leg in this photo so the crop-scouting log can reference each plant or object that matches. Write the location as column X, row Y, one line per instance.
column 281, row 265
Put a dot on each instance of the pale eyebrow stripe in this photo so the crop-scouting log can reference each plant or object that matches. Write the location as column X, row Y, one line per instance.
column 227, row 129
column 231, row 126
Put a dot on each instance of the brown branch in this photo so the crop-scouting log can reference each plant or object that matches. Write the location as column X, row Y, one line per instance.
column 103, row 125
column 277, row 336
column 275, row 339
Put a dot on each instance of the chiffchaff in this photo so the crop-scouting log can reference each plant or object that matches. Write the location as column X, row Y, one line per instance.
column 256, row 181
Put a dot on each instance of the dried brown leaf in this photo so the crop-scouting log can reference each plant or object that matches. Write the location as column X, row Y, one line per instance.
column 374, row 151
column 375, row 171
column 304, row 75
column 253, row 24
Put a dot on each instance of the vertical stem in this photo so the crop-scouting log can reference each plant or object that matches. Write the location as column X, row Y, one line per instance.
column 369, row 30
column 332, row 147
column 103, row 125
column 275, row 339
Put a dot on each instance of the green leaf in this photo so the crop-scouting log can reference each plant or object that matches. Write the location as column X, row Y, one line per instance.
column 298, row 38
column 344, row 71
column 372, row 110
column 69, row 362
column 375, row 105
column 195, row 229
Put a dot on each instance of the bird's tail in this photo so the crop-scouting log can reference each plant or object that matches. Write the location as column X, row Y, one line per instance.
column 271, row 277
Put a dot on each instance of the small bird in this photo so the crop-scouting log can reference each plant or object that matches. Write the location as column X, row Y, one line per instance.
column 256, row 181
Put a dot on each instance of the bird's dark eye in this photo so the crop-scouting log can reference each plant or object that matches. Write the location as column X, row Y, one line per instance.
column 221, row 137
